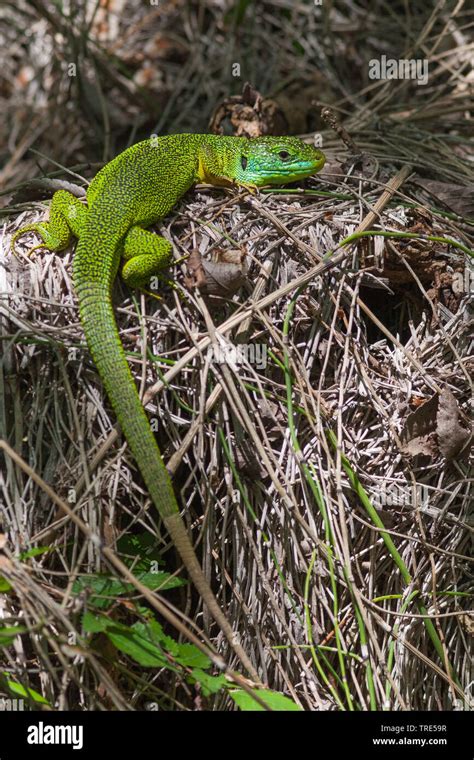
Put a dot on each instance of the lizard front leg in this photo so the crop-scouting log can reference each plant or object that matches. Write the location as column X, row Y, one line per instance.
column 67, row 217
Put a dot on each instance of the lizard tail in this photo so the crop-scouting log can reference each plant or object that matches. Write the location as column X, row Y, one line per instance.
column 92, row 281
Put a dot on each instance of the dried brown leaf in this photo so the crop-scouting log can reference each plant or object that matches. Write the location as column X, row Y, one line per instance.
column 452, row 437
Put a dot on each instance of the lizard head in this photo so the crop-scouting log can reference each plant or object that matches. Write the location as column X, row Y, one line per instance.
column 256, row 162
column 276, row 161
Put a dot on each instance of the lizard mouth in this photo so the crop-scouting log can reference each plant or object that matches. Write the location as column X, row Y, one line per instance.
column 291, row 172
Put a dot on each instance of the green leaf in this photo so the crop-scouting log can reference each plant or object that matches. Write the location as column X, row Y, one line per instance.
column 106, row 589
column 142, row 546
column 9, row 633
column 140, row 649
column 185, row 654
column 146, row 643
column 162, row 581
column 95, row 623
column 35, row 552
column 209, row 684
column 24, row 691
column 191, row 657
column 153, row 632
column 4, row 585
column 273, row 699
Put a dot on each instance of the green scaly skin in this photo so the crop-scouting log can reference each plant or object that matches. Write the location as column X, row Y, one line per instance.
column 134, row 190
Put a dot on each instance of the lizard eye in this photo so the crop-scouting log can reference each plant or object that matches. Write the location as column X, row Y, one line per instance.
column 284, row 155
column 243, row 161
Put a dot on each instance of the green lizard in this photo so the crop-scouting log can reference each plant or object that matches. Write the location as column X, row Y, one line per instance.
column 134, row 190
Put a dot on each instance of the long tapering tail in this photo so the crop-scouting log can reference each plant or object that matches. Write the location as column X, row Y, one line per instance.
column 93, row 275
